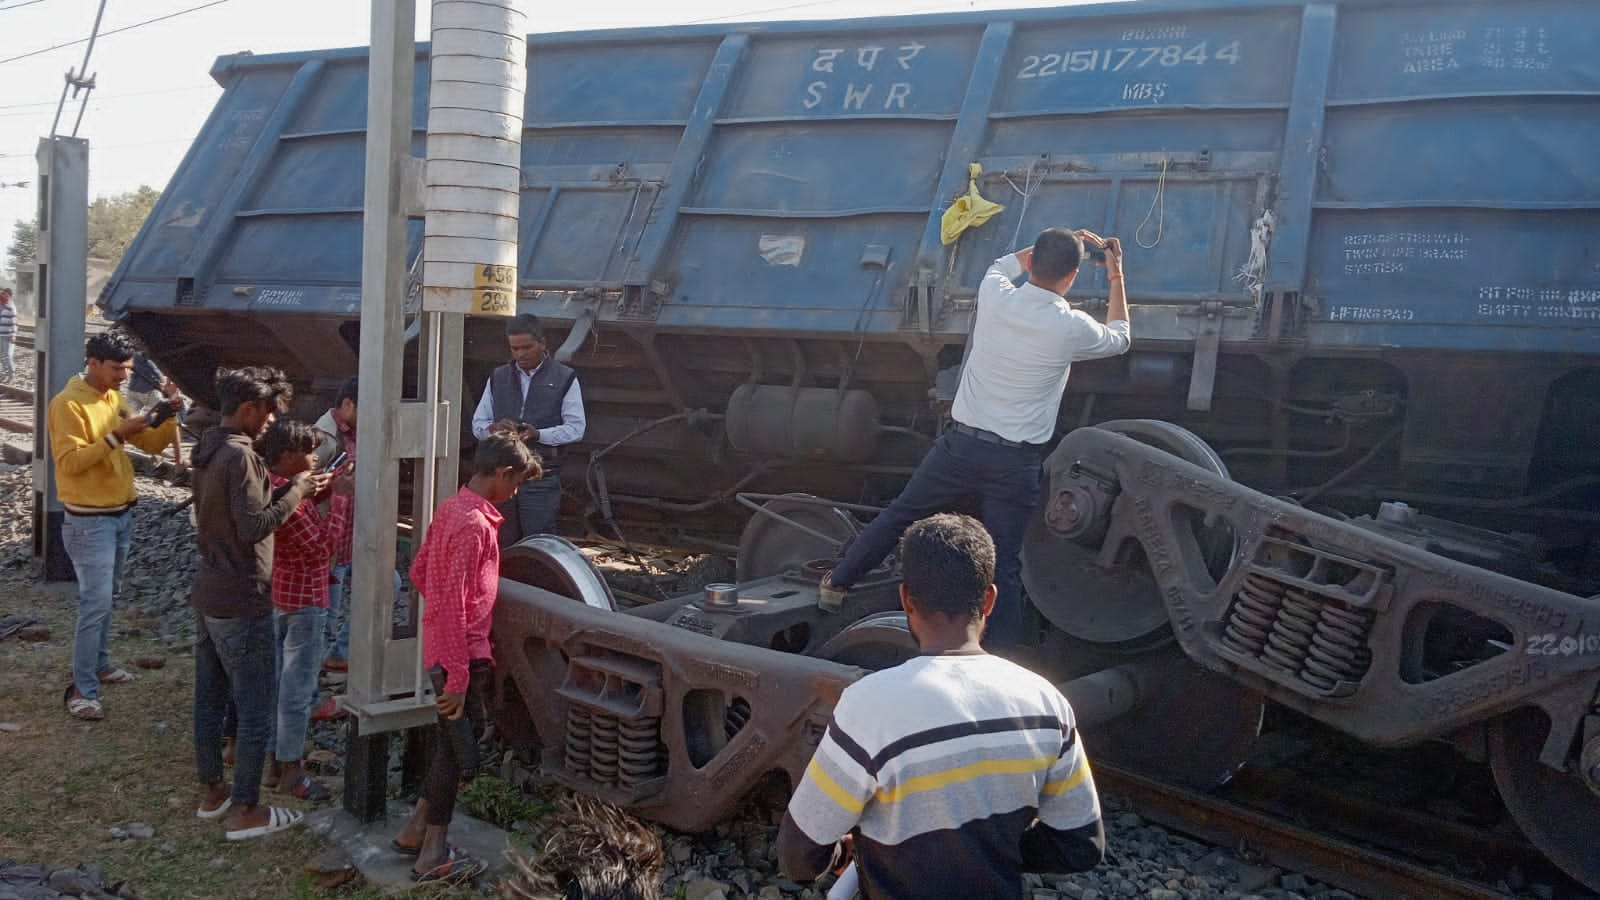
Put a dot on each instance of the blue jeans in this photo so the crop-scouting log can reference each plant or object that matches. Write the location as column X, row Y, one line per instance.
column 98, row 548
column 533, row 510
column 234, row 658
column 8, row 355
column 338, row 617
column 301, row 644
column 958, row 467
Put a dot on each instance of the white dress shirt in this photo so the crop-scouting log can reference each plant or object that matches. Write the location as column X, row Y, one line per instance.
column 573, row 421
column 1024, row 342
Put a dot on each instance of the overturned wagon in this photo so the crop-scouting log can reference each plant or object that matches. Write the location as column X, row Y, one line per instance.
column 1364, row 309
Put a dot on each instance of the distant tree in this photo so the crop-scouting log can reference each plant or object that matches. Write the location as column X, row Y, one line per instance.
column 23, row 248
column 115, row 221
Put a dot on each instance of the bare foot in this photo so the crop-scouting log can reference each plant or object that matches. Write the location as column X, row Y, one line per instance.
column 243, row 817
column 214, row 795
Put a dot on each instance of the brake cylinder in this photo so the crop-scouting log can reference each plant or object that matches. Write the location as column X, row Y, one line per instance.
column 803, row 422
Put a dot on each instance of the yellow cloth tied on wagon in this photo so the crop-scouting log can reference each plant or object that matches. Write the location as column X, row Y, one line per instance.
column 969, row 211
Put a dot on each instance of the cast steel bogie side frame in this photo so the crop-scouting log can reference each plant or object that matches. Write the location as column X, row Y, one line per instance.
column 1323, row 616
column 673, row 724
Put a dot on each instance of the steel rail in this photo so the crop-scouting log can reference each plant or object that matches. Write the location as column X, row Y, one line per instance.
column 1360, row 870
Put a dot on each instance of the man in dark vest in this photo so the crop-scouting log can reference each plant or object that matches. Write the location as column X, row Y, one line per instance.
column 537, row 398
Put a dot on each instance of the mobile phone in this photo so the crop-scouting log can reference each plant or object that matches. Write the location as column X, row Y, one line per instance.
column 161, row 412
column 337, row 461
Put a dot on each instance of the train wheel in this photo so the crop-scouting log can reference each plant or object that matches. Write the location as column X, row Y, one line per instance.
column 878, row 641
column 1189, row 726
column 1558, row 811
column 558, row 566
column 1091, row 582
column 771, row 546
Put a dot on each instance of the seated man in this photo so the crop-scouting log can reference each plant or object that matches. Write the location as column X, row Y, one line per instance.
column 951, row 774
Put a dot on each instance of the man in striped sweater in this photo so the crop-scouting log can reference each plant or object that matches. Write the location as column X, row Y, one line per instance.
column 952, row 774
column 8, row 335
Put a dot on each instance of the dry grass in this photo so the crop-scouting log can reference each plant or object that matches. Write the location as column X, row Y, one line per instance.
column 66, row 783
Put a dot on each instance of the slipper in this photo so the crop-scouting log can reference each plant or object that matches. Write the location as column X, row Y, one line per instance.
column 14, row 623
column 458, row 865
column 403, row 850
column 278, row 819
column 81, row 707
column 117, row 675
column 310, row 789
column 201, row 812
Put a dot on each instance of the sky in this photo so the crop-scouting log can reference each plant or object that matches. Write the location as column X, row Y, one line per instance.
column 153, row 93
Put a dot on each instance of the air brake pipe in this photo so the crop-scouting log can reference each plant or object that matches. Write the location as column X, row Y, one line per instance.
column 1105, row 695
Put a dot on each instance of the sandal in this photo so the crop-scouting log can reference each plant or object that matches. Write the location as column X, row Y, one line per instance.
column 458, row 865
column 310, row 789
column 403, row 850
column 81, row 707
column 117, row 675
column 278, row 819
column 200, row 812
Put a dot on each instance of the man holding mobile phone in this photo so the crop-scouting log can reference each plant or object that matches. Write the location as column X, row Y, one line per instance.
column 90, row 428
column 537, row 399
column 1025, row 339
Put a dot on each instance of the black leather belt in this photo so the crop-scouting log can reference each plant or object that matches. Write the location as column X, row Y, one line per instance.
column 990, row 437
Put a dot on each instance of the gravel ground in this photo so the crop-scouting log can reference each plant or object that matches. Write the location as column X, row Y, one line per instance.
column 738, row 858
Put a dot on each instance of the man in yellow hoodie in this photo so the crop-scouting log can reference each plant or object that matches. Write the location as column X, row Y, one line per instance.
column 90, row 427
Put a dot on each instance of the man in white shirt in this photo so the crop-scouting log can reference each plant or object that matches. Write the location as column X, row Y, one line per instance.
column 538, row 398
column 1024, row 342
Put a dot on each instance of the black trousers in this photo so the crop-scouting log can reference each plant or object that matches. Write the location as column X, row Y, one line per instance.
column 455, row 750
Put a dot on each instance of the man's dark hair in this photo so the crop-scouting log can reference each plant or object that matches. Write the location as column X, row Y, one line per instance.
column 286, row 436
column 525, row 323
column 252, row 384
column 948, row 564
column 109, row 346
column 1057, row 253
column 497, row 451
column 347, row 391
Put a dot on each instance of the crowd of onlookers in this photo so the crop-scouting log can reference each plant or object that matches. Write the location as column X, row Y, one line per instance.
column 946, row 776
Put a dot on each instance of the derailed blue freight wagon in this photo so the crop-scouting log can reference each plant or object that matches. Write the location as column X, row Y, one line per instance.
column 1361, row 260
column 1352, row 228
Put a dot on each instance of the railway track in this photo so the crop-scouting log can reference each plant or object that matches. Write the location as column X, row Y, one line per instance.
column 1247, row 818
column 16, row 409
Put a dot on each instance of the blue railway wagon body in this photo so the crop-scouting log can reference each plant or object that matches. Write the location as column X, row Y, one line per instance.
column 1360, row 235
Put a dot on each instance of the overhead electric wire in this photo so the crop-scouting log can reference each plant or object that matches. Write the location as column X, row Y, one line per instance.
column 149, row 93
column 20, row 5
column 171, row 15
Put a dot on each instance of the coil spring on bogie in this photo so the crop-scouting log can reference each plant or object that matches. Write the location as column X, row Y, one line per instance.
column 737, row 716
column 603, row 748
column 639, row 751
column 578, row 747
column 1317, row 639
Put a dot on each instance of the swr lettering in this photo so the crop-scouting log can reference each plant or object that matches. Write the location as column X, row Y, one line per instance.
column 859, row 98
